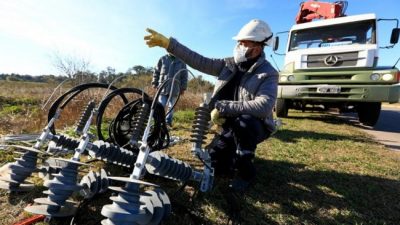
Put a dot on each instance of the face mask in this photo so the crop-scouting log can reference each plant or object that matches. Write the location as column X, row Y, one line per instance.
column 239, row 53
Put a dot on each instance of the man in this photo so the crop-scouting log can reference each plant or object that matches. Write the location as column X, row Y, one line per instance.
column 167, row 67
column 246, row 91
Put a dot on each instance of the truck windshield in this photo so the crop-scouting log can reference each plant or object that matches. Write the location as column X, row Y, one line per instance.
column 361, row 32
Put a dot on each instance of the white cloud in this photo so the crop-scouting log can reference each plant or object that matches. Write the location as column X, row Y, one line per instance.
column 22, row 21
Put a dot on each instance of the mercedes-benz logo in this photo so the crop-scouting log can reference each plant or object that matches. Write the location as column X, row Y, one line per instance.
column 331, row 60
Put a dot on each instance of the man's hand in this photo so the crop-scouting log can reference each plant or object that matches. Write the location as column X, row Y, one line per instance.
column 215, row 117
column 155, row 87
column 156, row 39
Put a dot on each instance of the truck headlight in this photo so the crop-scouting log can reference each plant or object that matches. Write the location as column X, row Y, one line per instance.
column 290, row 78
column 375, row 76
column 387, row 76
column 283, row 78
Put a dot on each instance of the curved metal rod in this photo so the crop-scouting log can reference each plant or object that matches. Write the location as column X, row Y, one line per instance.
column 172, row 88
column 54, row 91
column 112, row 82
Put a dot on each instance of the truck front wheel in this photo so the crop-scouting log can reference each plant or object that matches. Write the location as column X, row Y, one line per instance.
column 282, row 107
column 368, row 112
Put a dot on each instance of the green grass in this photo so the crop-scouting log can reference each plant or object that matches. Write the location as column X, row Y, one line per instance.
column 318, row 169
column 16, row 105
column 184, row 117
column 321, row 170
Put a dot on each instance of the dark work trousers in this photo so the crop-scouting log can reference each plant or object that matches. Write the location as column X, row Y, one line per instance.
column 236, row 146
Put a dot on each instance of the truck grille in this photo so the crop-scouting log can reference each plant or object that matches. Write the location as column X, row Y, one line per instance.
column 333, row 60
column 330, row 77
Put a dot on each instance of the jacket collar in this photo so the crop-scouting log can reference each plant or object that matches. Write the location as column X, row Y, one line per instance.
column 260, row 61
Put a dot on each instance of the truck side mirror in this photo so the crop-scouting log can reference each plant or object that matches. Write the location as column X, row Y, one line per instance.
column 394, row 38
column 276, row 43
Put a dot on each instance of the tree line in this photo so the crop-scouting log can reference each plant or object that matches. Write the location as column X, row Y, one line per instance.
column 105, row 76
column 30, row 78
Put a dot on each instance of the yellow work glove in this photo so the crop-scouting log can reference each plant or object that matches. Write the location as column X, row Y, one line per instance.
column 215, row 117
column 156, row 39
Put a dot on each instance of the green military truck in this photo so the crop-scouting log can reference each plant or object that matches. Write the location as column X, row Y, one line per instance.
column 333, row 63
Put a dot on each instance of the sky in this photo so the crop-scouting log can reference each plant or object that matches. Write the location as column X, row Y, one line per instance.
column 109, row 33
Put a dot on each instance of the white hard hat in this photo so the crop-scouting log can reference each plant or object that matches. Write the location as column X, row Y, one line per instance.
column 256, row 30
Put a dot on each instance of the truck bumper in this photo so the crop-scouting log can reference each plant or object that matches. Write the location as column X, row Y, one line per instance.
column 345, row 93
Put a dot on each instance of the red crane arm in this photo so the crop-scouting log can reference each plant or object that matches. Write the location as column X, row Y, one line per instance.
column 319, row 10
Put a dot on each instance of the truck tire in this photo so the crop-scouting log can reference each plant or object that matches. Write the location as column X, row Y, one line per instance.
column 282, row 107
column 368, row 112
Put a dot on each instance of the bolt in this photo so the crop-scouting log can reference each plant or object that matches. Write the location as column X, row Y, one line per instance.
column 47, row 219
